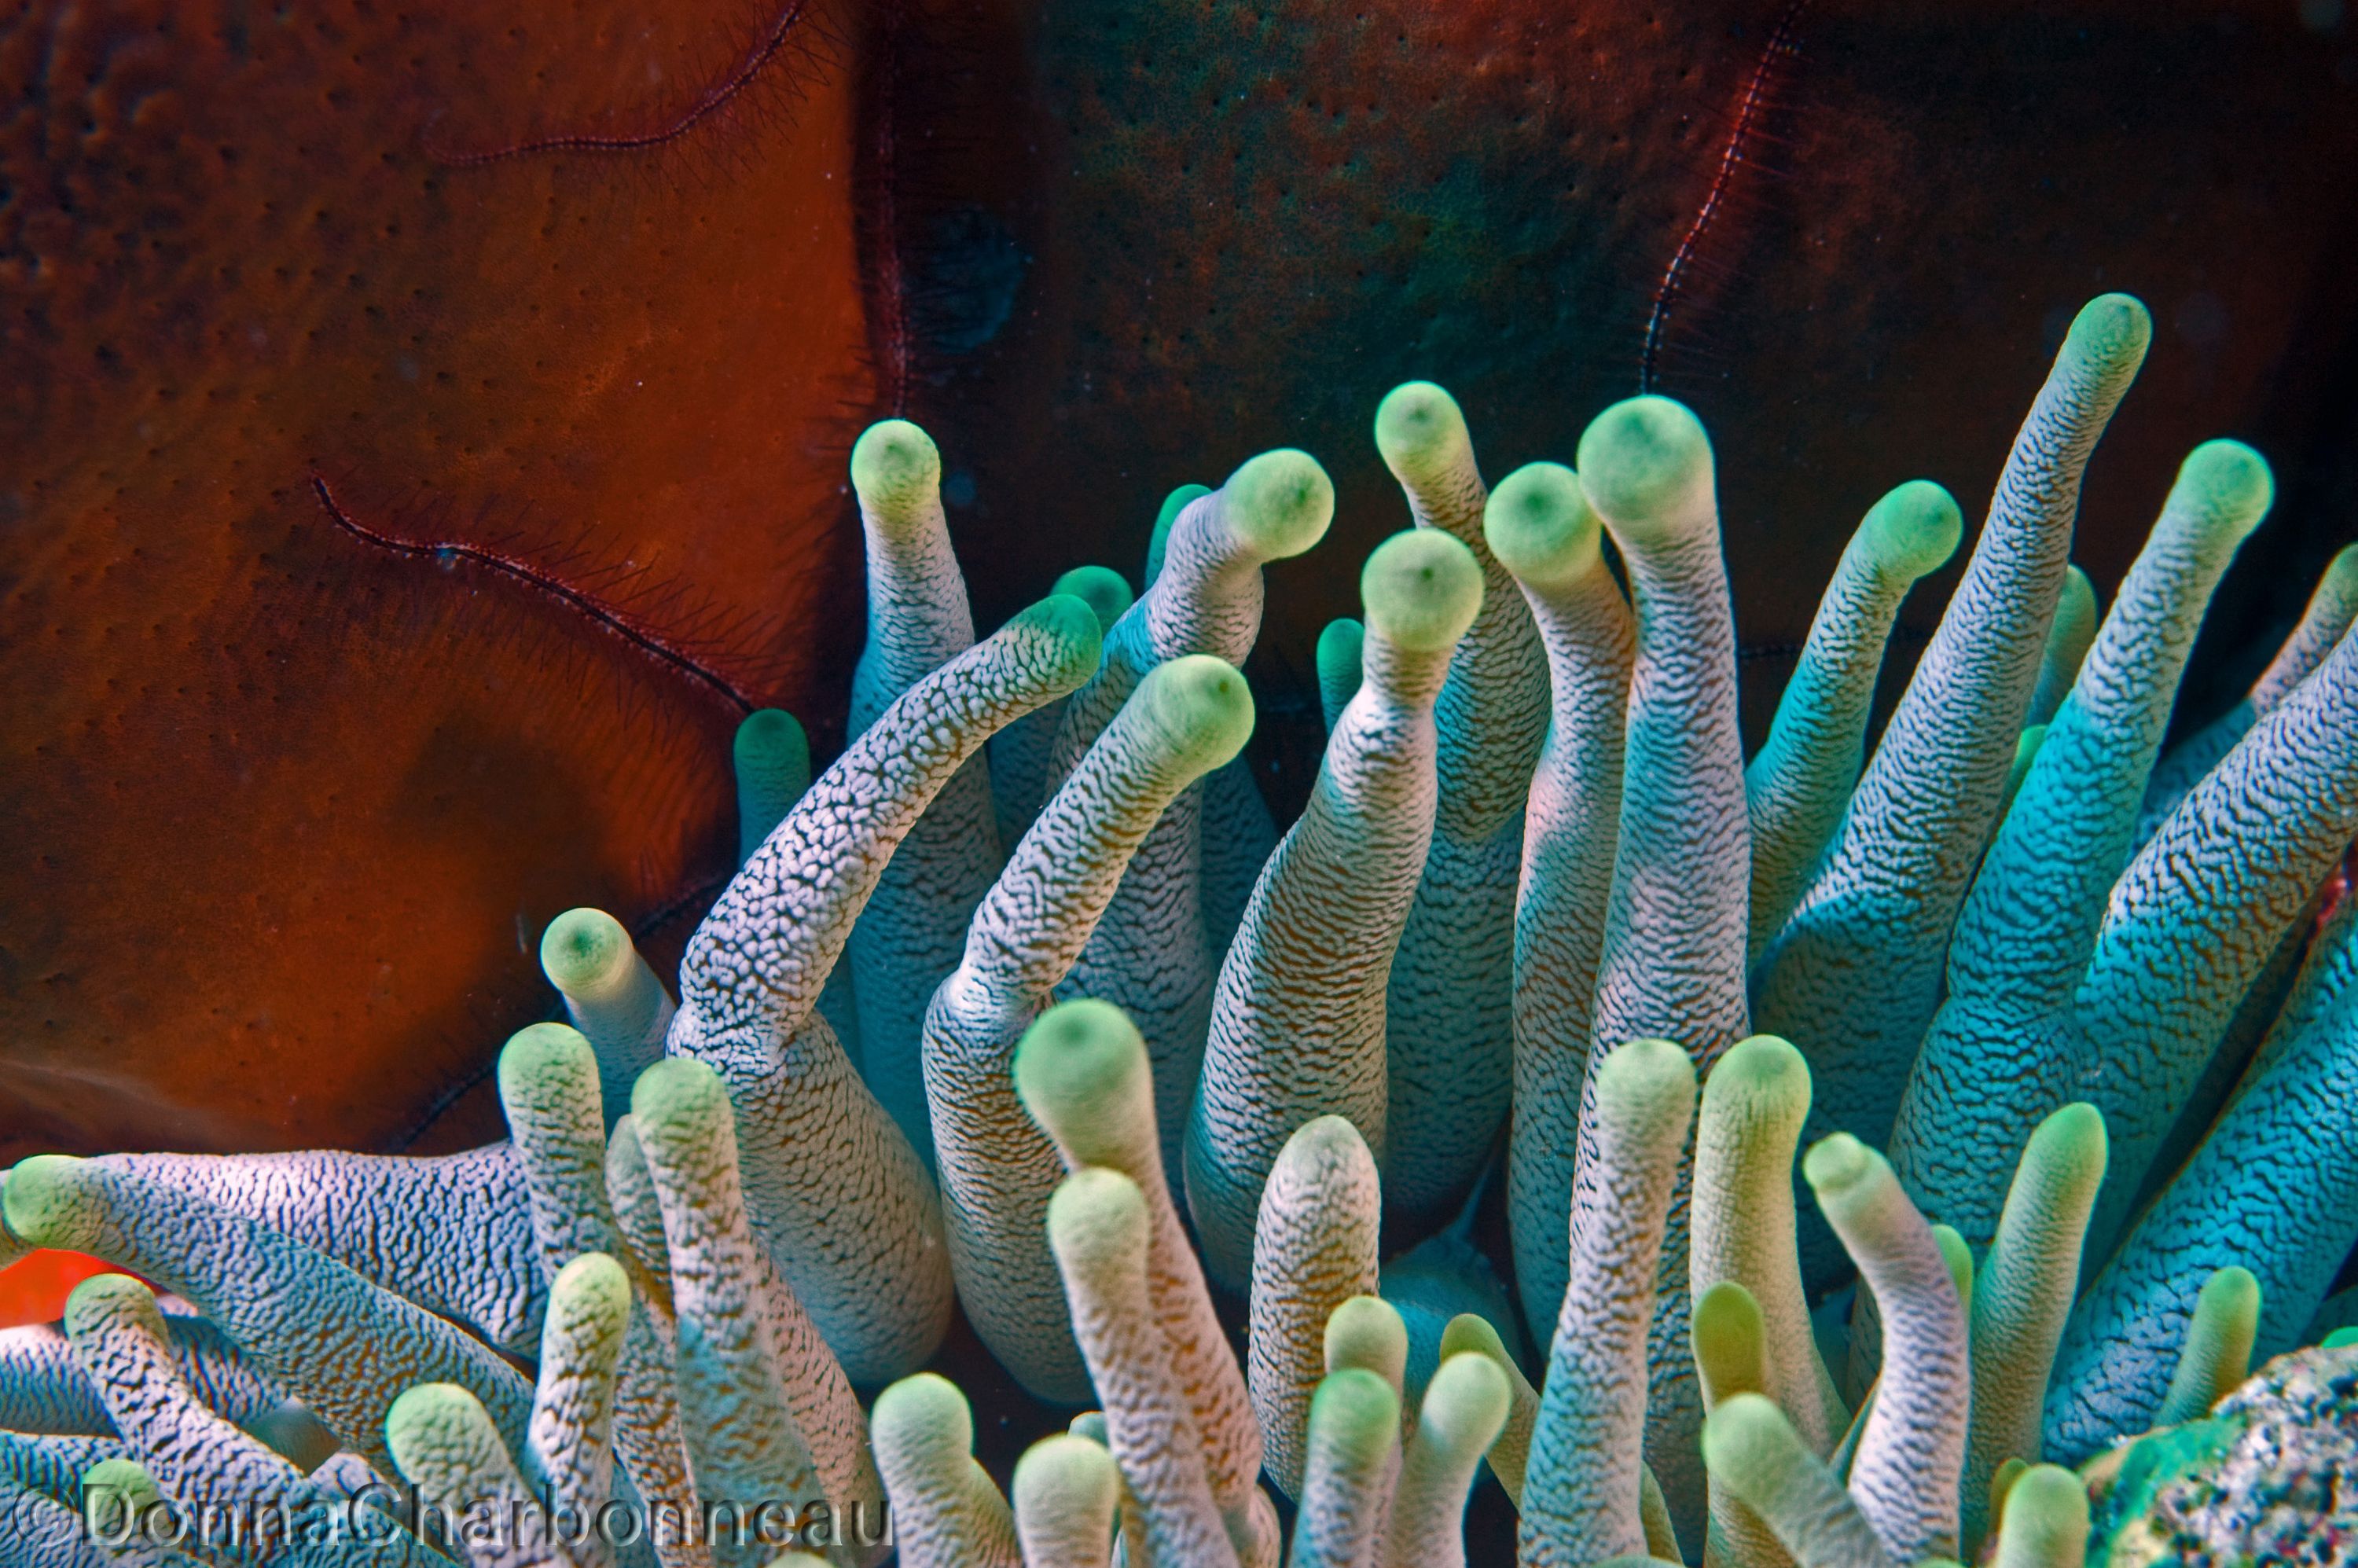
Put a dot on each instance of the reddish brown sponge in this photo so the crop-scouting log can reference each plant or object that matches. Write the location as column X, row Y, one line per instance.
column 291, row 804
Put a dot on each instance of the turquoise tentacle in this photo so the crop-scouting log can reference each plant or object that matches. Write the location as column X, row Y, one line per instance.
column 1449, row 1045
column 1855, row 976
column 2000, row 1054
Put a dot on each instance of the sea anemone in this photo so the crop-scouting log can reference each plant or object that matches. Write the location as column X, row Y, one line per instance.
column 1064, row 1034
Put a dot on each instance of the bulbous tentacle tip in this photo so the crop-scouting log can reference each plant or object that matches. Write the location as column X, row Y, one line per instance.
column 2227, row 487
column 1367, row 1332
column 2073, row 1138
column 1466, row 1401
column 1071, row 626
column 420, row 1414
column 1645, row 465
column 1761, row 1065
column 1647, row 1072
column 2046, row 1518
column 1355, row 1409
column 772, row 741
column 1914, row 528
column 1282, row 502
column 1175, row 503
column 1743, row 1431
column 925, row 1413
column 1341, row 643
column 1731, row 1341
column 1540, row 525
column 675, row 1095
column 1420, row 430
column 1104, row 589
column 544, row 1053
column 594, row 1287
column 1097, row 1221
column 1201, row 702
column 2341, row 572
column 104, row 1297
column 1081, row 1061
column 2112, row 329
column 1421, row 589
column 584, row 950
column 1837, row 1164
column 41, row 1201
column 895, row 469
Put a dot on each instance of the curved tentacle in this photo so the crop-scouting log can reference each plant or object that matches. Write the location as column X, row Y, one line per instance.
column 946, row 1513
column 610, row 996
column 837, row 1195
column 1185, row 717
column 1856, row 971
column 1449, row 1057
column 1795, row 787
column 2000, row 1053
column 1298, row 1016
column 1540, row 525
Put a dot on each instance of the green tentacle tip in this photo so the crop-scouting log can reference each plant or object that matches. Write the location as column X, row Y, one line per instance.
column 1340, row 647
column 1068, row 620
column 1357, row 1411
column 1419, row 429
column 1469, row 1332
column 1645, row 1072
column 1080, row 1062
column 1421, row 589
column 2339, row 1339
column 1644, row 461
column 584, row 950
column 894, row 465
column 1066, row 1477
column 593, row 1286
column 924, row 1414
column 2075, row 1139
column 1280, row 501
column 1367, row 1332
column 2046, row 1518
column 1731, row 1341
column 2229, row 485
column 42, row 1202
column 771, row 743
column 2342, row 570
column 103, row 1295
column 677, row 1095
column 1104, row 589
column 544, row 1054
column 422, row 1412
column 1466, row 1401
column 1096, row 1216
column 2112, row 330
column 1540, row 525
column 1914, row 528
column 1760, row 1067
column 1838, row 1164
column 1202, row 704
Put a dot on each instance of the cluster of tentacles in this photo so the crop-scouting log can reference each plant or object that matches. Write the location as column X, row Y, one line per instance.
column 1068, row 1034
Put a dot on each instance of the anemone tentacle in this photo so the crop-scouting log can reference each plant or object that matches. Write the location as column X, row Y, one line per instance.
column 2001, row 1051
column 836, row 1192
column 1541, row 528
column 1298, row 1016
column 1449, row 1054
column 1856, row 973
column 1796, row 786
column 1185, row 717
